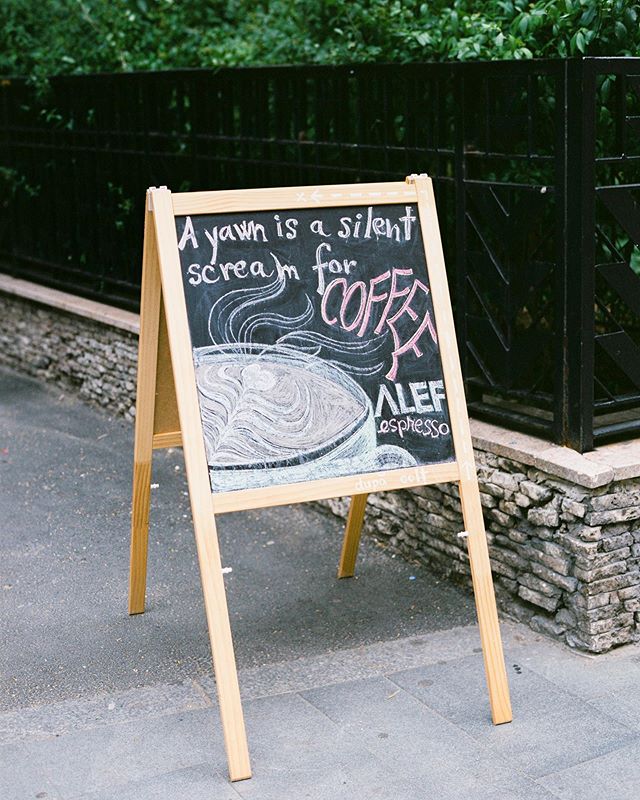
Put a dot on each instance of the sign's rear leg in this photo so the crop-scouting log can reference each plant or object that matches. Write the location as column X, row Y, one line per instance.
column 347, row 564
column 145, row 403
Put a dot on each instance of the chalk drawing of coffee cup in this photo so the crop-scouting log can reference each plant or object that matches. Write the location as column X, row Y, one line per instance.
column 273, row 414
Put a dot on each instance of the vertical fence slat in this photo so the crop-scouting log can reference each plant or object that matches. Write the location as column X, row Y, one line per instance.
column 579, row 256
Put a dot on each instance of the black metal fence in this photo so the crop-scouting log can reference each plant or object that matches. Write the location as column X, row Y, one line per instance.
column 536, row 167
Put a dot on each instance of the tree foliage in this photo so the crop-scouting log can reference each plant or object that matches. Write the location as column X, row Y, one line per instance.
column 78, row 36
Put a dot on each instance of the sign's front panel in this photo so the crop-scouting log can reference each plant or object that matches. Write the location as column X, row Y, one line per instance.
column 314, row 344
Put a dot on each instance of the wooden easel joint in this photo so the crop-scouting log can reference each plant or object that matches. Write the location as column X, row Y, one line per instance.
column 150, row 192
column 415, row 176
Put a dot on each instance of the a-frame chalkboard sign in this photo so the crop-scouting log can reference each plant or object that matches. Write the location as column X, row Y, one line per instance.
column 298, row 343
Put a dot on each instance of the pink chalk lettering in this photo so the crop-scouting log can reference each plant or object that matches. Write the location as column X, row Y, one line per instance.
column 412, row 343
column 325, row 297
column 373, row 298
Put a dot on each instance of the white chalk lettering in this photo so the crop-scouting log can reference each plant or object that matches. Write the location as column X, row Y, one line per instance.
column 317, row 226
column 385, row 394
column 380, row 227
column 285, row 271
column 331, row 264
column 404, row 407
column 436, row 389
column 213, row 240
column 211, row 273
column 188, row 235
column 257, row 270
column 346, row 231
column 420, row 396
column 291, row 225
column 244, row 231
column 429, row 428
column 408, row 219
column 421, row 393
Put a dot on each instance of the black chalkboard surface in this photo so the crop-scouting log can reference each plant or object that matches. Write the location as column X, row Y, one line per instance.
column 314, row 343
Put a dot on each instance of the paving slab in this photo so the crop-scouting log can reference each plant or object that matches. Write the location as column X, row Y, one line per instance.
column 555, row 741
column 129, row 705
column 190, row 783
column 113, row 755
column 302, row 753
column 414, row 741
column 391, row 722
column 330, row 741
column 551, row 730
column 623, row 705
column 614, row 776
column 22, row 777
column 452, row 689
column 581, row 674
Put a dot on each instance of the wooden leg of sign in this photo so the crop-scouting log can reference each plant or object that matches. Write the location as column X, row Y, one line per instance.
column 202, row 508
column 485, row 603
column 139, row 536
column 224, row 663
column 145, row 401
column 351, row 540
column 469, row 493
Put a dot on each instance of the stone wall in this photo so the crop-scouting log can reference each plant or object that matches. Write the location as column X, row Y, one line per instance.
column 565, row 558
column 95, row 360
column 563, row 529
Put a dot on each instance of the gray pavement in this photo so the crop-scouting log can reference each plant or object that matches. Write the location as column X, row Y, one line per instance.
column 367, row 688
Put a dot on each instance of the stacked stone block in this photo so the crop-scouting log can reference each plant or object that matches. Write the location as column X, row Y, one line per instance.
column 94, row 360
column 565, row 558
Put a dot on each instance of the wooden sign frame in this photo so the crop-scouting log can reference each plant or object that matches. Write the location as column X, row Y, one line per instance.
column 167, row 415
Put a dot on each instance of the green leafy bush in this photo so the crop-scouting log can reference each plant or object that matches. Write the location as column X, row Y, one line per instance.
column 79, row 36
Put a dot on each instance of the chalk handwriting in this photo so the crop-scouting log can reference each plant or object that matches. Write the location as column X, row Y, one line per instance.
column 211, row 273
column 380, row 227
column 362, row 311
column 243, row 231
column 422, row 397
column 290, row 224
column 188, row 235
column 429, row 428
column 317, row 226
column 333, row 265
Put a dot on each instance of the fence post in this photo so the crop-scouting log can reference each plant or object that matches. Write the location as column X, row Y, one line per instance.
column 461, row 263
column 576, row 376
